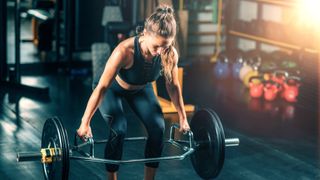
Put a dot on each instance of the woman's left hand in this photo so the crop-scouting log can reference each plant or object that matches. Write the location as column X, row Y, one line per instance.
column 184, row 126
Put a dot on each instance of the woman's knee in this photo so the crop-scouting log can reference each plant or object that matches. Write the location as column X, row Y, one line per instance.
column 115, row 140
column 114, row 148
column 155, row 138
column 154, row 144
column 157, row 128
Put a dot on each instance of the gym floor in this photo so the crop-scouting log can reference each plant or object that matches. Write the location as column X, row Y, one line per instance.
column 278, row 140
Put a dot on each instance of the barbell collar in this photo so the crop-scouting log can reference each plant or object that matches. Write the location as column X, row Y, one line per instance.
column 232, row 142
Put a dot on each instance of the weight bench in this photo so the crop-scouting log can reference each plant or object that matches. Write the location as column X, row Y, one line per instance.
column 37, row 15
column 40, row 14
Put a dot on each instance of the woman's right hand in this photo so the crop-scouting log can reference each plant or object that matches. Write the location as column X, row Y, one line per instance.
column 84, row 132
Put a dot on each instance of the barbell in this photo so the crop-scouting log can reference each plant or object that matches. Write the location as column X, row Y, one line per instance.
column 205, row 145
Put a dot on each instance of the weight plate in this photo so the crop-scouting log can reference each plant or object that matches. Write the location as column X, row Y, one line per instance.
column 54, row 135
column 208, row 157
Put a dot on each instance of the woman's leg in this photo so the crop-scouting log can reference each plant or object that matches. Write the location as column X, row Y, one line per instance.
column 149, row 173
column 145, row 104
column 112, row 111
column 112, row 175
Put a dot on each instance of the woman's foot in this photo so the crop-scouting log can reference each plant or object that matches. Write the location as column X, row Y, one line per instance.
column 149, row 173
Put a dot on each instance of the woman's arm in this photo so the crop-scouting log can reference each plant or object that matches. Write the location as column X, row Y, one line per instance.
column 114, row 63
column 174, row 91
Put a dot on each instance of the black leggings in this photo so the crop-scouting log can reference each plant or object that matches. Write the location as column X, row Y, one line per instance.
column 146, row 106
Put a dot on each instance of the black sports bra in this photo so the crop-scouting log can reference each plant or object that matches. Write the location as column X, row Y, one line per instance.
column 142, row 71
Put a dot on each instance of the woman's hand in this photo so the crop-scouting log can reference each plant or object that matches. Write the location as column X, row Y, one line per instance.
column 84, row 132
column 184, row 126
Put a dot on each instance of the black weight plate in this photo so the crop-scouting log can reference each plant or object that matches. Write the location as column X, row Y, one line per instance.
column 208, row 157
column 55, row 136
column 222, row 155
column 65, row 148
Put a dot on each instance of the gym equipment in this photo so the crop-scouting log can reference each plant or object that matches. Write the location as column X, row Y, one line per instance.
column 55, row 150
column 41, row 11
column 3, row 41
column 45, row 35
column 236, row 66
column 15, row 80
column 291, row 88
column 209, row 156
column 267, row 76
column 291, row 66
column 250, row 67
column 254, row 58
column 100, row 53
column 280, row 76
column 256, row 86
column 244, row 70
column 250, row 74
column 221, row 69
column 206, row 145
column 271, row 89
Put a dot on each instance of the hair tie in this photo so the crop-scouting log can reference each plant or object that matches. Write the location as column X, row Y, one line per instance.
column 165, row 10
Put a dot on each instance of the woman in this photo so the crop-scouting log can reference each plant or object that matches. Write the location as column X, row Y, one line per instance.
column 128, row 74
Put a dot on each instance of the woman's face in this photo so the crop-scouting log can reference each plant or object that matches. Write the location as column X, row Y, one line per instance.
column 157, row 44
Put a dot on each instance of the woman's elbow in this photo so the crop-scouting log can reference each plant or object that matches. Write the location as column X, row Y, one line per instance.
column 100, row 89
column 171, row 88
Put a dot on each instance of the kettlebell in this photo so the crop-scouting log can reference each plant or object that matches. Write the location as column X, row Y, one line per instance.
column 255, row 61
column 236, row 66
column 221, row 69
column 267, row 76
column 280, row 77
column 250, row 74
column 244, row 70
column 256, row 86
column 270, row 90
column 291, row 88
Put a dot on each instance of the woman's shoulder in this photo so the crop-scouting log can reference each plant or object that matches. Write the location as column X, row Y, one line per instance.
column 125, row 47
column 127, row 44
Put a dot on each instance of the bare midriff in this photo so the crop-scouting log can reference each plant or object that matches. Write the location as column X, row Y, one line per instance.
column 128, row 86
